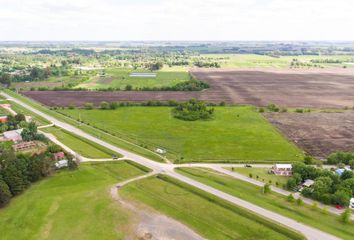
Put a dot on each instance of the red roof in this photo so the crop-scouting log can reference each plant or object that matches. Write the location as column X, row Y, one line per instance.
column 59, row 155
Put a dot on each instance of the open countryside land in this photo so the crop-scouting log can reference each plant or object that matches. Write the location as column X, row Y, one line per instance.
column 226, row 154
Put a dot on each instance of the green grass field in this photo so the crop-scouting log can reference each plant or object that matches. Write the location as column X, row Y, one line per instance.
column 118, row 78
column 263, row 61
column 236, row 134
column 114, row 140
column 81, row 146
column 211, row 217
column 70, row 205
column 263, row 175
column 272, row 201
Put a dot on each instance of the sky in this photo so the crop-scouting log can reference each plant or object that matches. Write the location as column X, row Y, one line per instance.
column 198, row 20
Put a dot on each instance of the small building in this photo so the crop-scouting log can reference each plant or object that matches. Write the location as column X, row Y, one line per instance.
column 3, row 119
column 351, row 203
column 61, row 164
column 160, row 150
column 308, row 183
column 58, row 156
column 143, row 75
column 14, row 135
column 282, row 169
column 339, row 171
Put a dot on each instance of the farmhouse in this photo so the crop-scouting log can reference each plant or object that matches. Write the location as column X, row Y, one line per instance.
column 61, row 164
column 3, row 119
column 58, row 156
column 282, row 169
column 14, row 135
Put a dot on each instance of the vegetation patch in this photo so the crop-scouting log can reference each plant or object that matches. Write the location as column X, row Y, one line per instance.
column 192, row 110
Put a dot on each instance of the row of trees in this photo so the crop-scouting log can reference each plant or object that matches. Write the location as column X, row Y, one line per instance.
column 328, row 188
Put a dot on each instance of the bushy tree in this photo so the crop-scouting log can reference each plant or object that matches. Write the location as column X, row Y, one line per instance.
column 192, row 110
column 104, row 105
column 5, row 194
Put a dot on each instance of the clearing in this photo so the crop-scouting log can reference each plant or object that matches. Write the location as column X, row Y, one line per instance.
column 272, row 201
column 236, row 134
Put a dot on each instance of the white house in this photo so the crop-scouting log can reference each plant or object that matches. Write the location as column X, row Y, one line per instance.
column 282, row 169
column 160, row 151
column 61, row 164
column 351, row 203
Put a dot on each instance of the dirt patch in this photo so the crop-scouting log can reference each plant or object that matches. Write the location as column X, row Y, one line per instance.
column 318, row 133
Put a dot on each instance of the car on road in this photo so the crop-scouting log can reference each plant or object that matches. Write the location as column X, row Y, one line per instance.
column 248, row 166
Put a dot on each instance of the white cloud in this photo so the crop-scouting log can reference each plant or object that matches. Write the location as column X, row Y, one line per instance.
column 176, row 20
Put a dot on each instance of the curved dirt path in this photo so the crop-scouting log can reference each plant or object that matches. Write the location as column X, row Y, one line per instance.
column 152, row 225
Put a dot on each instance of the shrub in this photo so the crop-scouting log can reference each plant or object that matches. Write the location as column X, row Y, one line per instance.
column 88, row 106
column 261, row 110
column 250, row 175
column 299, row 202
column 71, row 106
column 104, row 105
column 273, row 108
column 299, row 110
column 345, row 216
column 266, row 188
column 314, row 206
column 290, row 198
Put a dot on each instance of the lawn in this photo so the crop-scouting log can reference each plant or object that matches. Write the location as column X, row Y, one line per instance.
column 211, row 217
column 263, row 175
column 236, row 134
column 80, row 145
column 272, row 201
column 3, row 112
column 118, row 78
column 70, row 205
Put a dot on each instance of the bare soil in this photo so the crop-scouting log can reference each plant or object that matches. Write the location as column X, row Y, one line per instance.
column 318, row 133
column 332, row 88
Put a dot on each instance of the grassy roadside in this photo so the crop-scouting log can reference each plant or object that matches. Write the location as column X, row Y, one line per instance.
column 272, row 201
column 70, row 205
column 80, row 145
column 114, row 140
column 210, row 216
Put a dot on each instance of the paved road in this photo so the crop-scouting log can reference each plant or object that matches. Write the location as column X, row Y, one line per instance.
column 309, row 232
column 275, row 189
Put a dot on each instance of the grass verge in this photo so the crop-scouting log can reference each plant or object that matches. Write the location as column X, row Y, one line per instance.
column 212, row 217
column 272, row 201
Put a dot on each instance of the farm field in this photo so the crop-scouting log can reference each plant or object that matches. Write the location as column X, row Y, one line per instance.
column 329, row 88
column 81, row 146
column 266, row 61
column 237, row 134
column 331, row 133
column 272, row 201
column 263, row 175
column 188, row 205
column 70, row 205
column 118, row 79
column 50, row 83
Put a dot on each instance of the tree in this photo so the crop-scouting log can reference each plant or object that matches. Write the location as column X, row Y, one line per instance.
column 5, row 194
column 5, row 79
column 192, row 110
column 299, row 202
column 88, row 106
column 113, row 105
column 290, row 198
column 346, row 175
column 342, row 196
column 351, row 164
column 266, row 188
column 291, row 183
column 128, row 87
column 104, row 105
column 345, row 216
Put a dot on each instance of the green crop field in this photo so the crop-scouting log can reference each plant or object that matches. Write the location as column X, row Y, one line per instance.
column 211, row 217
column 70, row 205
column 272, row 201
column 265, row 61
column 81, row 146
column 118, row 78
column 263, row 175
column 236, row 134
